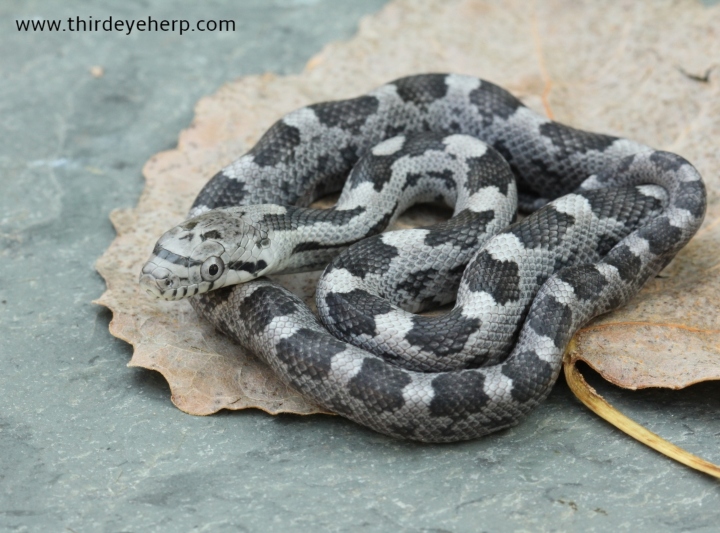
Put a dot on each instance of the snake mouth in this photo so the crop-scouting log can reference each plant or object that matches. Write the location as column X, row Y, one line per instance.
column 160, row 288
column 169, row 288
column 159, row 282
column 153, row 287
column 147, row 282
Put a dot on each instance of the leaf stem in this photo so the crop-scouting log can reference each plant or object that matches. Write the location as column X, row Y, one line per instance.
column 596, row 403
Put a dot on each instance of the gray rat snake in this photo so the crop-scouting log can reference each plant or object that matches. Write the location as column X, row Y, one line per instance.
column 608, row 214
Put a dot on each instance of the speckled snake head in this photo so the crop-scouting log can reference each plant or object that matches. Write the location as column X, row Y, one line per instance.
column 215, row 249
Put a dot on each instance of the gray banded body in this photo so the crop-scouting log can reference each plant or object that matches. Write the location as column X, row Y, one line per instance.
column 609, row 214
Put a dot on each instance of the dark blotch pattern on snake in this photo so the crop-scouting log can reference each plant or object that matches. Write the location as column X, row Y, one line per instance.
column 609, row 213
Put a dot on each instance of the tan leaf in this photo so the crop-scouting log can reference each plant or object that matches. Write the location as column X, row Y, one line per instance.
column 628, row 68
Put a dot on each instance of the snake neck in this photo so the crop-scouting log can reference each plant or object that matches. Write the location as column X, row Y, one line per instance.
column 307, row 239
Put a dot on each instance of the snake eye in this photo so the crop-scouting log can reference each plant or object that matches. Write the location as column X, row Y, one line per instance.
column 212, row 269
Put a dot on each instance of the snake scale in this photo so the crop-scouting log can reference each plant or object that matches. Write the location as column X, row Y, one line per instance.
column 607, row 214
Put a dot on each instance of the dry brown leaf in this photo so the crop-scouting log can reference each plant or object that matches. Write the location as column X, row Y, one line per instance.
column 624, row 68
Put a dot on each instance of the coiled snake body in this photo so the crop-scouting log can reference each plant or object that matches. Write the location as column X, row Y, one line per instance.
column 618, row 212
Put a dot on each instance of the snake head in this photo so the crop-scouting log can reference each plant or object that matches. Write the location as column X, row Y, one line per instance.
column 215, row 249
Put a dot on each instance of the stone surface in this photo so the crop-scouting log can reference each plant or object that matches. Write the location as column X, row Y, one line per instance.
column 87, row 444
